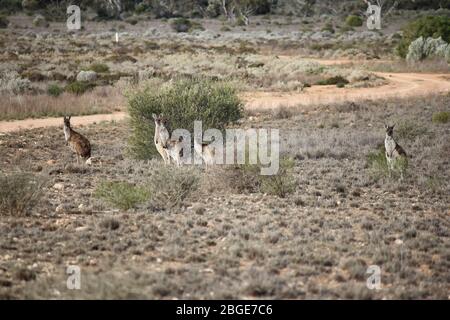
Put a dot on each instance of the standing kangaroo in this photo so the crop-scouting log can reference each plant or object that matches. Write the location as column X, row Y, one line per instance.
column 77, row 142
column 395, row 155
column 161, row 137
column 174, row 149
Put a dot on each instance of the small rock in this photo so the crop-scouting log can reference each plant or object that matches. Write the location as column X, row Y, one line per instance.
column 398, row 242
column 58, row 186
column 87, row 76
column 51, row 162
column 80, row 229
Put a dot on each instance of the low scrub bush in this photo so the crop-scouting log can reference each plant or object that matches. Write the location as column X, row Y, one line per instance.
column 377, row 163
column 79, row 87
column 354, row 21
column 98, row 67
column 182, row 25
column 54, row 90
column 426, row 48
column 121, row 195
column 281, row 184
column 182, row 102
column 19, row 193
column 11, row 82
column 337, row 80
column 170, row 186
column 441, row 117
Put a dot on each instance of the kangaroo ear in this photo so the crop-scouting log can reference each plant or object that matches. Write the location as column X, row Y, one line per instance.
column 69, row 118
column 154, row 116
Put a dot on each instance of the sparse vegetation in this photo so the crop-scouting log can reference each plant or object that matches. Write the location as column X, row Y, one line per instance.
column 98, row 67
column 169, row 186
column 19, row 193
column 54, row 90
column 121, row 195
column 79, row 87
column 377, row 163
column 281, row 184
column 441, row 117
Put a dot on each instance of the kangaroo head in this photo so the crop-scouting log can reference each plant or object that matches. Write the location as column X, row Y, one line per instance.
column 67, row 121
column 159, row 120
column 389, row 130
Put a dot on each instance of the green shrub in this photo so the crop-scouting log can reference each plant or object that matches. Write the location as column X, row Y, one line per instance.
column 282, row 183
column 426, row 27
column 377, row 163
column 183, row 101
column 121, row 195
column 170, row 186
column 98, row 67
column 79, row 87
column 3, row 22
column 354, row 21
column 185, row 25
column 441, row 117
column 19, row 193
column 54, row 90
column 337, row 80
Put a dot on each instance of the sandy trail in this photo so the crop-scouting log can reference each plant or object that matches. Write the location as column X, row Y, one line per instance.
column 401, row 85
column 16, row 125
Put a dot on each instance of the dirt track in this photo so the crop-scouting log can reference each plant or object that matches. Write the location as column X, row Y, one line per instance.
column 401, row 85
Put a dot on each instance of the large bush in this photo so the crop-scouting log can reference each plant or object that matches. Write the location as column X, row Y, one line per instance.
column 421, row 49
column 426, row 27
column 182, row 102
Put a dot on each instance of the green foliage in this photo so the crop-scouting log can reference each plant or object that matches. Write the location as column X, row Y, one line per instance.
column 184, row 25
column 98, row 67
column 281, row 184
column 19, row 193
column 354, row 21
column 426, row 27
column 54, row 90
column 337, row 80
column 170, row 186
column 377, row 163
column 441, row 117
column 79, row 87
column 182, row 102
column 121, row 195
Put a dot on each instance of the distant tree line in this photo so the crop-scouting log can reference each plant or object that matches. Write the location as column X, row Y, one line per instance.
column 231, row 9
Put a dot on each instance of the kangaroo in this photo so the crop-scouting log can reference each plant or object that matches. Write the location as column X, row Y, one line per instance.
column 77, row 142
column 205, row 151
column 161, row 137
column 174, row 149
column 395, row 155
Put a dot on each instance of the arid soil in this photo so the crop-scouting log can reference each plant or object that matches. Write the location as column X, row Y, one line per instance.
column 224, row 243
